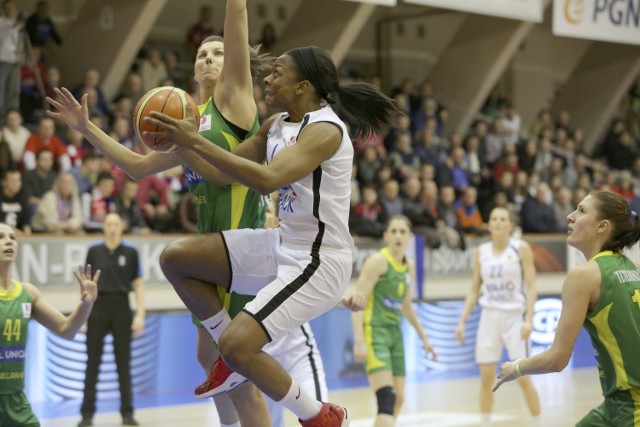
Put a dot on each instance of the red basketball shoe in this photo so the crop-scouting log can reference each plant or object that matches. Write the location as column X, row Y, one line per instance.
column 221, row 379
column 329, row 416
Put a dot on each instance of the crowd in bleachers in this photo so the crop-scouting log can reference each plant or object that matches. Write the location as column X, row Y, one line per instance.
column 445, row 182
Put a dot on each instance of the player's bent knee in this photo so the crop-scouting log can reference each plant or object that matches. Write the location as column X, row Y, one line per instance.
column 386, row 397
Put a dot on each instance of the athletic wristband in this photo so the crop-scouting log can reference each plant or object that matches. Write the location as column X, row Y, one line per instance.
column 516, row 368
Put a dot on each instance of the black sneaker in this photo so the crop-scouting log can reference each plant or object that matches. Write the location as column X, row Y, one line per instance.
column 86, row 422
column 128, row 420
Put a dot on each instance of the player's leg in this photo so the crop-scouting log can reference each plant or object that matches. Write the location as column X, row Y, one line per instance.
column 122, row 318
column 97, row 328
column 487, row 380
column 488, row 353
column 398, row 367
column 298, row 354
column 517, row 348
column 399, row 383
column 192, row 265
column 207, row 353
column 383, row 386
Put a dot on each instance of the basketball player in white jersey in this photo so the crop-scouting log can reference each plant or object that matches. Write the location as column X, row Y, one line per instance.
column 300, row 269
column 504, row 283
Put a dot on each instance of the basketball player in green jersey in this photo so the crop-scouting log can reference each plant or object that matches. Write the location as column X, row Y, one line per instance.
column 19, row 303
column 602, row 294
column 225, row 73
column 386, row 280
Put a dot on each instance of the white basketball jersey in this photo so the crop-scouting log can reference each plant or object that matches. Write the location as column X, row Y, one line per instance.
column 315, row 209
column 502, row 277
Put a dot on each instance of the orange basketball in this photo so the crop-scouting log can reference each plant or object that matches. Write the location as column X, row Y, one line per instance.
column 171, row 101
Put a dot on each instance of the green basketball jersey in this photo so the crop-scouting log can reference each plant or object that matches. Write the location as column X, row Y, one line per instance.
column 614, row 326
column 232, row 206
column 15, row 313
column 384, row 304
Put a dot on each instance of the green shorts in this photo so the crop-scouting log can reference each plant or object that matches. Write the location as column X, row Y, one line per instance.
column 15, row 411
column 233, row 302
column 622, row 409
column 385, row 349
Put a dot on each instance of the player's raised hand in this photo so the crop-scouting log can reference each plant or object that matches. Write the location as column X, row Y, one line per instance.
column 88, row 284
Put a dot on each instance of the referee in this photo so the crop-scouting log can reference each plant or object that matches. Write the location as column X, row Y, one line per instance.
column 121, row 274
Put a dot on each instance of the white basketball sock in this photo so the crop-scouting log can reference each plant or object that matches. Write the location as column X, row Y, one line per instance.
column 300, row 403
column 217, row 324
column 485, row 420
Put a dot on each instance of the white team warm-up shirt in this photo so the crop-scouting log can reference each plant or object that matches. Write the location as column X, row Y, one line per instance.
column 315, row 209
column 502, row 276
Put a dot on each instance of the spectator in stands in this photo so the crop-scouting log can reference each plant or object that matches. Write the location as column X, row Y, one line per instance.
column 368, row 165
column 6, row 160
column 120, row 132
column 447, row 221
column 508, row 163
column 493, row 105
column 368, row 217
column 562, row 207
column 453, row 172
column 268, row 37
column 10, row 28
column 15, row 134
column 421, row 217
column 98, row 203
column 40, row 27
column 76, row 147
column 544, row 121
column 36, row 182
column 152, row 69
column 495, row 141
column 86, row 172
column 403, row 159
column 199, row 31
column 45, row 139
column 498, row 199
column 474, row 158
column 428, row 149
column 469, row 213
column 622, row 151
column 132, row 88
column 511, row 123
column 563, row 121
column 127, row 207
column 52, row 78
column 174, row 71
column 90, row 81
column 59, row 210
column 402, row 126
column 527, row 154
column 32, row 73
column 14, row 208
column 537, row 214
column 407, row 97
column 186, row 216
column 391, row 199
column 624, row 185
column 427, row 111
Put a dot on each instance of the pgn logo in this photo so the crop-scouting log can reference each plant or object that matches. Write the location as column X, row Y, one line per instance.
column 545, row 320
column 574, row 11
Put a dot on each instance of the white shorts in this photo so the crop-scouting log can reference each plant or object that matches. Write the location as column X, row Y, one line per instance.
column 292, row 286
column 298, row 354
column 498, row 329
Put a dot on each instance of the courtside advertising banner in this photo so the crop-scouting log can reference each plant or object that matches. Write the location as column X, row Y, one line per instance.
column 380, row 2
column 526, row 10
column 615, row 21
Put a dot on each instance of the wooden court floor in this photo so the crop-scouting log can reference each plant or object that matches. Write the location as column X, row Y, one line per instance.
column 565, row 397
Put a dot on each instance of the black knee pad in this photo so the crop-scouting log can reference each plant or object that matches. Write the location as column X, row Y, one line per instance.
column 386, row 397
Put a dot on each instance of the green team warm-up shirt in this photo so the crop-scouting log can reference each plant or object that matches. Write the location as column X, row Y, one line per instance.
column 15, row 314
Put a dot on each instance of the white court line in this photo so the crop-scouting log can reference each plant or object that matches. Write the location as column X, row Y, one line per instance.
column 440, row 419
